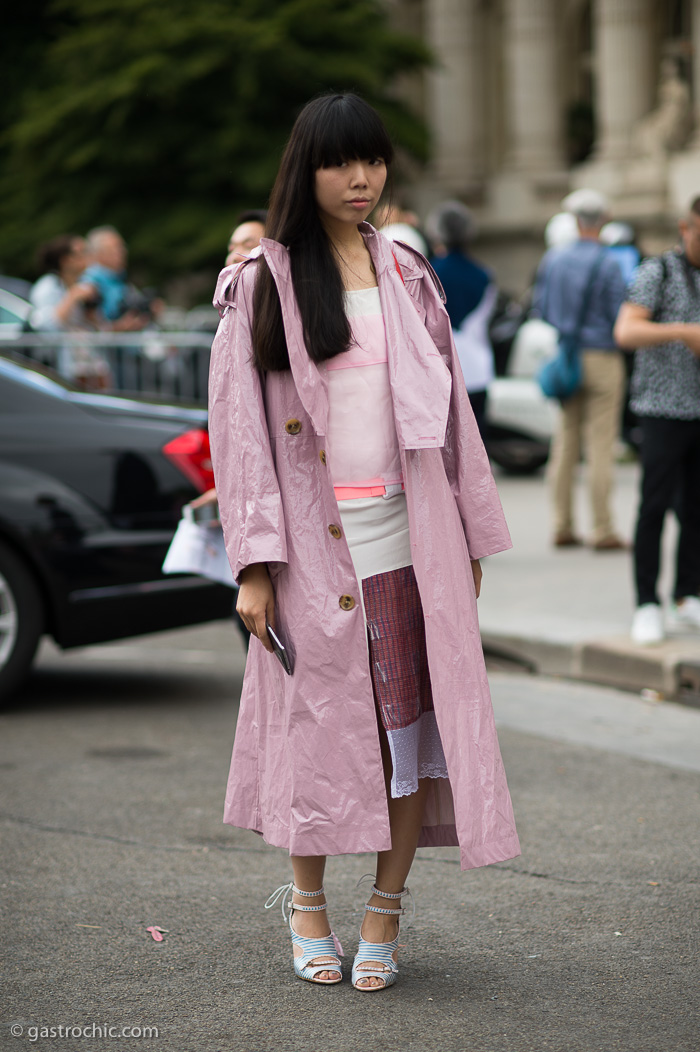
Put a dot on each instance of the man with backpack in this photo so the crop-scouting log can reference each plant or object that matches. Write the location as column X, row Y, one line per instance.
column 661, row 321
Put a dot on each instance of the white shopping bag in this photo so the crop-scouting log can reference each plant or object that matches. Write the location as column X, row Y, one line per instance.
column 199, row 548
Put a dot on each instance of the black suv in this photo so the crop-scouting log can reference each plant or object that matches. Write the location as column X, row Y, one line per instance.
column 91, row 490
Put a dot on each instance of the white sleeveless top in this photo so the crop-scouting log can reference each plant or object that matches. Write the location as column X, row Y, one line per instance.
column 361, row 443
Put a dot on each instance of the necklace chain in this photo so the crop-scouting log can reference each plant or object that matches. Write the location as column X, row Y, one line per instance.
column 355, row 274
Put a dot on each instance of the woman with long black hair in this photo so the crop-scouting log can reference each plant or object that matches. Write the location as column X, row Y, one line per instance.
column 356, row 500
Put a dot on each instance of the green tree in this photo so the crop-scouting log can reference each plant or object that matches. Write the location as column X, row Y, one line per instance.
column 165, row 120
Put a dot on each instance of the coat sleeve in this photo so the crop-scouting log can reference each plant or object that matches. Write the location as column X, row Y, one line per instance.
column 244, row 471
column 466, row 463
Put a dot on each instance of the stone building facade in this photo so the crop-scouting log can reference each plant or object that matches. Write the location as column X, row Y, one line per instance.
column 532, row 98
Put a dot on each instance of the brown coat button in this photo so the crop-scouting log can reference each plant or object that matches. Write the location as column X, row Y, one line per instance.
column 335, row 531
column 293, row 426
column 322, row 456
column 346, row 602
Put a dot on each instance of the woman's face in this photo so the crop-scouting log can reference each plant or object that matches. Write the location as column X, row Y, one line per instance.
column 347, row 192
column 74, row 262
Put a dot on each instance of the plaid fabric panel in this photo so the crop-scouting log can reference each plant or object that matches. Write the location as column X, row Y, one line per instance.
column 398, row 657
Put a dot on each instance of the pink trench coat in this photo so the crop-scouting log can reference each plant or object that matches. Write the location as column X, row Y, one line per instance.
column 306, row 771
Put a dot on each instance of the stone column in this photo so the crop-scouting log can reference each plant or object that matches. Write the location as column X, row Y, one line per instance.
column 624, row 77
column 695, row 32
column 456, row 93
column 533, row 108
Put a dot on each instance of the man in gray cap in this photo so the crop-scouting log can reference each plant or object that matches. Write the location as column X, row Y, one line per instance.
column 592, row 415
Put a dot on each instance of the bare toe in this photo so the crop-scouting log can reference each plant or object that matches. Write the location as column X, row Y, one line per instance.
column 371, row 981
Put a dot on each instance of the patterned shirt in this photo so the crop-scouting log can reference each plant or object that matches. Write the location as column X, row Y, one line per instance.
column 666, row 378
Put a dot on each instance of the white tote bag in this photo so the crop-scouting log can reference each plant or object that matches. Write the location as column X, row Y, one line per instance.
column 199, row 548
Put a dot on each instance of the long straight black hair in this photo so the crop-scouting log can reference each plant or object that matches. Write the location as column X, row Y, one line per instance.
column 330, row 129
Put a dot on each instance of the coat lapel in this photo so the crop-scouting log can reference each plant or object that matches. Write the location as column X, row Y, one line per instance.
column 420, row 381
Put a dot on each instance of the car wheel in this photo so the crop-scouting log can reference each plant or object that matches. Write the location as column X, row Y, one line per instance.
column 21, row 620
column 518, row 456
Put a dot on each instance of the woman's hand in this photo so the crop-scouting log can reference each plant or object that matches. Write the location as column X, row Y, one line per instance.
column 131, row 321
column 256, row 602
column 476, row 570
column 205, row 501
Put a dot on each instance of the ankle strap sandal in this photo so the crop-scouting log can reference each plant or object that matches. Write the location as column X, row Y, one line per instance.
column 379, row 954
column 318, row 955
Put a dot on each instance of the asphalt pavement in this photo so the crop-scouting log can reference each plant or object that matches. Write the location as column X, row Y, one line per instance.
column 113, row 767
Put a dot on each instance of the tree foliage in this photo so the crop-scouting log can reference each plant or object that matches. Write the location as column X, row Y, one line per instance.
column 167, row 119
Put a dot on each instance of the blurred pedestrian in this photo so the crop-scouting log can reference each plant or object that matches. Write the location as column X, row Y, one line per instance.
column 59, row 297
column 63, row 301
column 330, row 389
column 400, row 224
column 561, row 229
column 661, row 322
column 471, row 294
column 621, row 240
column 522, row 341
column 121, row 307
column 592, row 415
column 246, row 237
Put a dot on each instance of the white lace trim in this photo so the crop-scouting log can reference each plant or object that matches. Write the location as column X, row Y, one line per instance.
column 416, row 752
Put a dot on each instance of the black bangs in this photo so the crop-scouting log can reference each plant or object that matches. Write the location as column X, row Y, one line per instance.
column 346, row 128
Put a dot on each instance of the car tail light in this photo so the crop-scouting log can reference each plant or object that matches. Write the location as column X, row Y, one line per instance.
column 191, row 454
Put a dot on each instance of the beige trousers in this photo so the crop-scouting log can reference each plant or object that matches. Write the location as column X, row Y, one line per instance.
column 590, row 418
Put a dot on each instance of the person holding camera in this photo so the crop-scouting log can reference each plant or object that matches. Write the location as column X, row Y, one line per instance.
column 121, row 307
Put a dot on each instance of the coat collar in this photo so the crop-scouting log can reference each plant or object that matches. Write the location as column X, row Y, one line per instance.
column 420, row 381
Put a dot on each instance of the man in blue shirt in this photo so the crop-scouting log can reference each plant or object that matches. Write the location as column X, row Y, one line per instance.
column 592, row 415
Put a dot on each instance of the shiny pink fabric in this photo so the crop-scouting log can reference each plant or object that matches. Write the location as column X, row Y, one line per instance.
column 306, row 770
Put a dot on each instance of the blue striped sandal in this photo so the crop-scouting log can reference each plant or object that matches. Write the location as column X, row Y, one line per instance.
column 326, row 950
column 376, row 959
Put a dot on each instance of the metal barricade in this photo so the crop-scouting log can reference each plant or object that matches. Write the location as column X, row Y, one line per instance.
column 167, row 365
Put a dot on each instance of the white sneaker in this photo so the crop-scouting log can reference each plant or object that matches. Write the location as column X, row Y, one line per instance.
column 686, row 612
column 648, row 625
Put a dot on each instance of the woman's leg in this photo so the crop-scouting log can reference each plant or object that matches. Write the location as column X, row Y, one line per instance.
column 308, row 876
column 405, row 820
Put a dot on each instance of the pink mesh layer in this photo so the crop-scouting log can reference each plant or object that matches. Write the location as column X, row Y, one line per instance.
column 361, row 442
